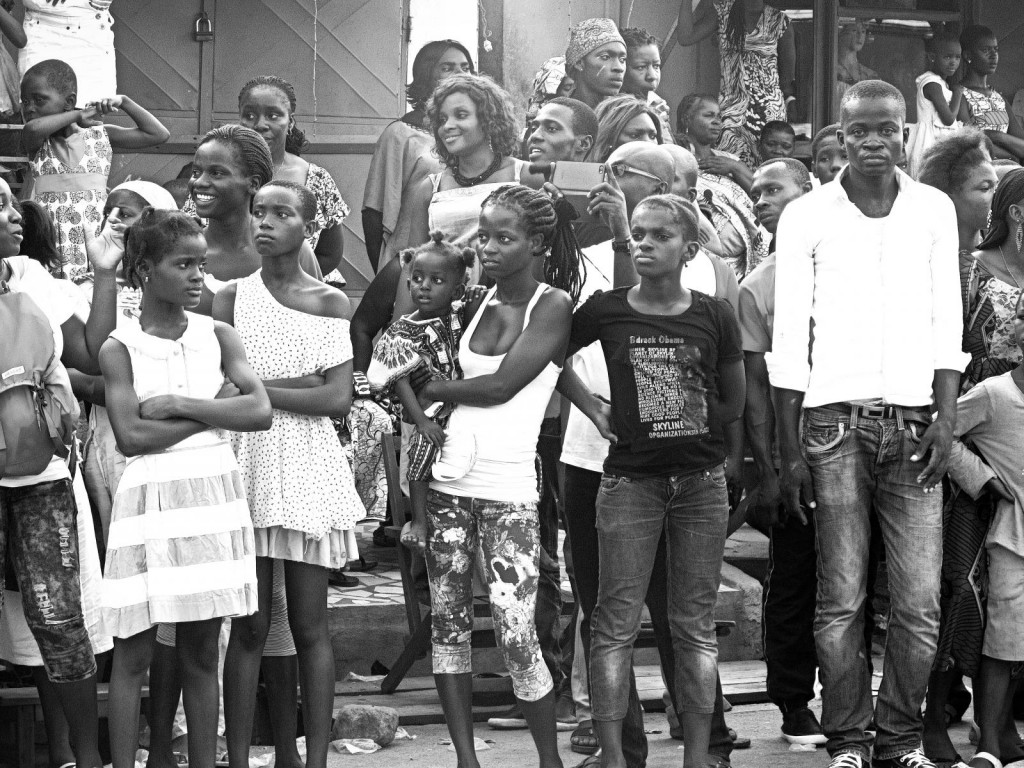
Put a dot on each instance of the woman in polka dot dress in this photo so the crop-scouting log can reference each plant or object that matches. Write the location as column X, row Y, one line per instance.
column 298, row 483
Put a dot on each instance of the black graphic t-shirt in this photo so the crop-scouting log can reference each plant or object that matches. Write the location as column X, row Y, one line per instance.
column 663, row 372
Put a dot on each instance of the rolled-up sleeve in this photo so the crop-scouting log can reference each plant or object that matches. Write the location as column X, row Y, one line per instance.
column 788, row 362
column 947, row 306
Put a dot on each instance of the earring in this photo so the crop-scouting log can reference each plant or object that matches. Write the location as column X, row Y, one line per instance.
column 988, row 219
column 146, row 279
column 1020, row 236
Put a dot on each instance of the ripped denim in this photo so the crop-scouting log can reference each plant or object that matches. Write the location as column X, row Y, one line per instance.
column 38, row 529
column 507, row 535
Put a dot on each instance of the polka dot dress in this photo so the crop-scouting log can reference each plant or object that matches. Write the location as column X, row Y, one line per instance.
column 299, row 485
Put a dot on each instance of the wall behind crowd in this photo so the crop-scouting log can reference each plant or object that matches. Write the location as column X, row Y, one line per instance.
column 1008, row 22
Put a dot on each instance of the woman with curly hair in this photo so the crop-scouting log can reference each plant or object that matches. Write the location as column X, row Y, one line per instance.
column 475, row 134
column 402, row 157
column 622, row 119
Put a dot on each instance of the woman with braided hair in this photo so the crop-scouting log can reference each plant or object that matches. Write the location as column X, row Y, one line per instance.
column 484, row 492
column 757, row 54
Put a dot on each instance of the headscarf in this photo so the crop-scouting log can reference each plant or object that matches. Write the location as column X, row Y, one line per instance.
column 153, row 194
column 547, row 80
column 588, row 36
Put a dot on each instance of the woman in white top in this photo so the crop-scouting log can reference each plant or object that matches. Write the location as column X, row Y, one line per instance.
column 485, row 489
column 39, row 511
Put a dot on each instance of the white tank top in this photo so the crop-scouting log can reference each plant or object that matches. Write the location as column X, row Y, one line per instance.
column 506, row 435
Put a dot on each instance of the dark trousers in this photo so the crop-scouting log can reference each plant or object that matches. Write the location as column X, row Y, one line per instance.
column 556, row 649
column 581, row 488
column 790, row 588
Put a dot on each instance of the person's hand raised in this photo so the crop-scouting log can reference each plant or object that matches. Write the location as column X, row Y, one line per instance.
column 104, row 250
column 609, row 203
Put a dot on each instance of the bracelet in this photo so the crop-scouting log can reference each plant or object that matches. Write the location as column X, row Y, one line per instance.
column 360, row 384
column 620, row 246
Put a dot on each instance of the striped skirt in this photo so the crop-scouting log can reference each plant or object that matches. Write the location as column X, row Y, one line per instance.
column 181, row 542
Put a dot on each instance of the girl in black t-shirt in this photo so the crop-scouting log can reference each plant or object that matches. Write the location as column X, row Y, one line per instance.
column 677, row 389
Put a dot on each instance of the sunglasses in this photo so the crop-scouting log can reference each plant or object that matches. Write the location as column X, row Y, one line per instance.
column 621, row 169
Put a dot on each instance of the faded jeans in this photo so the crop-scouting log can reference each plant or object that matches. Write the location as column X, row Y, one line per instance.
column 38, row 528
column 632, row 513
column 853, row 470
column 507, row 536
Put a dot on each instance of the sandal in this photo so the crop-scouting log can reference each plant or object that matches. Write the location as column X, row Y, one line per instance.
column 583, row 741
column 737, row 741
column 594, row 761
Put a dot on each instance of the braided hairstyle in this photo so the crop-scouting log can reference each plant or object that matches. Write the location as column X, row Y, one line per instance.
column 1009, row 192
column 295, row 141
column 563, row 265
column 460, row 260
column 250, row 149
column 683, row 212
column 153, row 236
column 687, row 106
column 736, row 26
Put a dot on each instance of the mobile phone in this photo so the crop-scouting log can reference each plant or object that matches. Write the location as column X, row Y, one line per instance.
column 577, row 178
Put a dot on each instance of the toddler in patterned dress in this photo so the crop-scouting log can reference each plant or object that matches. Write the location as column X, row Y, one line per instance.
column 430, row 336
column 70, row 152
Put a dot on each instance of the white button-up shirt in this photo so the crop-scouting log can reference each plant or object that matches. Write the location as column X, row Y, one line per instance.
column 866, row 309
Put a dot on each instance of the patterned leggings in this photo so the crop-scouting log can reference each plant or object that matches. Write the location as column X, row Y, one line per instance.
column 507, row 535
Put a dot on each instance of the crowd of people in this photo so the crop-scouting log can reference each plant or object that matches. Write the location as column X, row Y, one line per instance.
column 710, row 332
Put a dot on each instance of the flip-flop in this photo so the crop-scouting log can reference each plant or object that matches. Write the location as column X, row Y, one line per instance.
column 583, row 741
column 593, row 761
column 180, row 759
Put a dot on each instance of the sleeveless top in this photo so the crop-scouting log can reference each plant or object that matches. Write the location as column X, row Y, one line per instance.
column 189, row 366
column 506, row 434
column 456, row 212
column 987, row 112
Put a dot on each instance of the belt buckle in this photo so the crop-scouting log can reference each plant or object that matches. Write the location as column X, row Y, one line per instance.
column 873, row 411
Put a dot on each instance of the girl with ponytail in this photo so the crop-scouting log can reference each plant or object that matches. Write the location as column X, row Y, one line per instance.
column 267, row 105
column 486, row 492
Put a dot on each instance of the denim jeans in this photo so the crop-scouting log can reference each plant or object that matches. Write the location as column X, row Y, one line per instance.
column 853, row 470
column 507, row 536
column 632, row 513
column 39, row 530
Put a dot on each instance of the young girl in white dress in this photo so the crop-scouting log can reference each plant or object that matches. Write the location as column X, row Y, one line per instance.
column 181, row 546
column 939, row 99
column 301, row 490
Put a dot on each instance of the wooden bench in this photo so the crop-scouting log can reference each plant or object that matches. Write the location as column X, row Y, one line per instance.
column 24, row 702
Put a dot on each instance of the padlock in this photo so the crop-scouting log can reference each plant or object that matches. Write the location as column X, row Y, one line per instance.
column 203, row 32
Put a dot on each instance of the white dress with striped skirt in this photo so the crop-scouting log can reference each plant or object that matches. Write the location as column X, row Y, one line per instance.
column 181, row 544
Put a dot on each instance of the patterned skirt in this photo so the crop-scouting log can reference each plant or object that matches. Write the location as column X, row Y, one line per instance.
column 181, row 544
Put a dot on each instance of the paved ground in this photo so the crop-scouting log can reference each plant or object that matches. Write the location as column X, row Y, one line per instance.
column 514, row 749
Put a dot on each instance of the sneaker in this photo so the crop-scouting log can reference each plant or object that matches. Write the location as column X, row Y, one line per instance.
column 800, row 726
column 848, row 760
column 510, row 720
column 913, row 759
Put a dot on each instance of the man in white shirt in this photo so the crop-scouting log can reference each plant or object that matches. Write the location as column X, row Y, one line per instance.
column 866, row 339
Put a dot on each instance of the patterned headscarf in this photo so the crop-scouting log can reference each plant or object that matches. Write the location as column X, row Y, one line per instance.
column 587, row 36
column 548, row 80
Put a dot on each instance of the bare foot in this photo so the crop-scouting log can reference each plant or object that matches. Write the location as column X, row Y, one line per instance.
column 414, row 536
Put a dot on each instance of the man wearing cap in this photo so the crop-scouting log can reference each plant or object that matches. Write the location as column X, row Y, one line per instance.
column 596, row 60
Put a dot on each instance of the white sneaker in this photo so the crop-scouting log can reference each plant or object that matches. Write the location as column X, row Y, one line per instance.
column 848, row 760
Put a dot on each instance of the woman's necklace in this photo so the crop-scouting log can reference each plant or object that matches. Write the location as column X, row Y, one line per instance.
column 1006, row 266
column 472, row 181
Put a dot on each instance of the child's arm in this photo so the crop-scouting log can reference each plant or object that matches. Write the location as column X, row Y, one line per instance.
column 968, row 471
column 38, row 130
column 148, row 131
column 11, row 28
column 947, row 112
column 431, row 430
column 248, row 411
column 134, row 434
